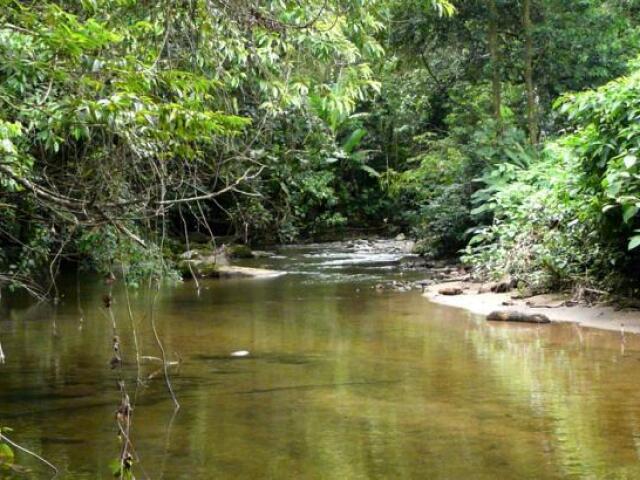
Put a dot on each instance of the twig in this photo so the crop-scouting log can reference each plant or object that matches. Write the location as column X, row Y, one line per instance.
column 215, row 194
column 133, row 323
column 167, row 442
column 3, row 437
column 186, row 238
column 159, row 360
column 165, row 364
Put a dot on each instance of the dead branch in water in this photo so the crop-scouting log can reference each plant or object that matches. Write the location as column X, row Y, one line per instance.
column 134, row 330
column 3, row 437
column 165, row 363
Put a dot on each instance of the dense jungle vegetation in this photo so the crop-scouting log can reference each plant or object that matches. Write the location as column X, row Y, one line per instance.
column 505, row 131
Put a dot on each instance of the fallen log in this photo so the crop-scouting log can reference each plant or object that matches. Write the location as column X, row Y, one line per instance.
column 511, row 316
column 450, row 291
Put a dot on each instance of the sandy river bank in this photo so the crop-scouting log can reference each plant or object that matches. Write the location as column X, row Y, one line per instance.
column 595, row 316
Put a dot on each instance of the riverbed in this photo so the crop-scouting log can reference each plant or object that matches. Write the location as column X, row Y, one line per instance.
column 343, row 381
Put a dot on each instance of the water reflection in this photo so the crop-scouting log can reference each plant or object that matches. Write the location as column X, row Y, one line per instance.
column 343, row 381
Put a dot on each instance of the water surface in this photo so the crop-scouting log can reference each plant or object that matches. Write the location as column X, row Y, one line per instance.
column 344, row 382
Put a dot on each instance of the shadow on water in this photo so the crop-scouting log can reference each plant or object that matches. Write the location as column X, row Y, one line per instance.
column 311, row 387
column 342, row 381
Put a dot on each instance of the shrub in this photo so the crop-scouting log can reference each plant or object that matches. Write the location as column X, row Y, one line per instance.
column 544, row 228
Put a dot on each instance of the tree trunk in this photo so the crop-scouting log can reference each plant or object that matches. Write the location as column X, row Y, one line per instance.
column 532, row 114
column 494, row 54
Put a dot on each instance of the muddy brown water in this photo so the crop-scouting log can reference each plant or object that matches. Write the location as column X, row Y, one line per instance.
column 343, row 382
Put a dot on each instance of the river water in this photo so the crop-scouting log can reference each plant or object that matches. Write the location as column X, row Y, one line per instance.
column 344, row 381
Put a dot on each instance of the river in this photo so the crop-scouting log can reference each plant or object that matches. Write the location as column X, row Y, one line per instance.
column 343, row 381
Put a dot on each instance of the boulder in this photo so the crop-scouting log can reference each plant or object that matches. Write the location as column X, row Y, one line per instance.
column 211, row 263
column 239, row 251
column 450, row 291
column 505, row 285
column 208, row 268
column 197, row 268
column 514, row 316
column 263, row 254
column 232, row 271
column 206, row 255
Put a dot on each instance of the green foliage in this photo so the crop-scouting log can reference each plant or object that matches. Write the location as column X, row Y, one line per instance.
column 106, row 251
column 461, row 170
column 572, row 216
column 586, row 43
column 239, row 251
column 433, row 197
column 607, row 138
column 124, row 124
column 122, row 469
column 112, row 113
column 541, row 229
column 7, row 456
column 10, row 133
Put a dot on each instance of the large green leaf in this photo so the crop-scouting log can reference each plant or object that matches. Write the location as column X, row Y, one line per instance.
column 7, row 456
column 629, row 212
column 634, row 242
column 354, row 140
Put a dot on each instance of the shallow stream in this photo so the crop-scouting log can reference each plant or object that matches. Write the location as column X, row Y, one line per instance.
column 343, row 381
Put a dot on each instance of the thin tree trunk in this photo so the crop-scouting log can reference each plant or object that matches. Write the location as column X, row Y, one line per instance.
column 532, row 114
column 494, row 53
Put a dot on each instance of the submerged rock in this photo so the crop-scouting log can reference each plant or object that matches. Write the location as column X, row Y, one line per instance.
column 513, row 316
column 397, row 285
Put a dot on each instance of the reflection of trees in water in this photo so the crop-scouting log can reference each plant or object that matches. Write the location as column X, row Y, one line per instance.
column 339, row 385
column 571, row 380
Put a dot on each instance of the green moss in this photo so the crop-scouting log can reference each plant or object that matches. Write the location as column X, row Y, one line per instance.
column 188, row 268
column 239, row 251
column 208, row 269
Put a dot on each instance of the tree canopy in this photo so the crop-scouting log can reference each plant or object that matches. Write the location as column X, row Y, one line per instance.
column 126, row 125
